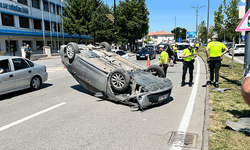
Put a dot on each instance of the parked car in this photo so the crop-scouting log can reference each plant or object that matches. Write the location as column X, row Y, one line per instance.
column 121, row 53
column 110, row 76
column 181, row 46
column 238, row 49
column 145, row 52
column 20, row 73
column 228, row 45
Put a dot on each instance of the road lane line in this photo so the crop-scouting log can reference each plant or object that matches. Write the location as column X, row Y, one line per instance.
column 188, row 112
column 30, row 117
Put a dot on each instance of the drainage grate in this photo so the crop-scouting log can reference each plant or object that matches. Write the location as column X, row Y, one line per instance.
column 182, row 139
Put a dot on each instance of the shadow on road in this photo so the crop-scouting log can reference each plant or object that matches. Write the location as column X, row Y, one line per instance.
column 81, row 89
column 21, row 92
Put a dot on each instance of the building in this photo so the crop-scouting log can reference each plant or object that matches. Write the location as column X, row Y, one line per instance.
column 160, row 37
column 33, row 22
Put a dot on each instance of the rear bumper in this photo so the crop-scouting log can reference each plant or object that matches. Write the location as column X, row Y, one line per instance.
column 44, row 76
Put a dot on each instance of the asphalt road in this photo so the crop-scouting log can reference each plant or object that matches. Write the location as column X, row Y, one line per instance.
column 63, row 115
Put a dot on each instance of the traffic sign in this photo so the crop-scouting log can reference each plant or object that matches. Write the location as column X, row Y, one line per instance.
column 245, row 23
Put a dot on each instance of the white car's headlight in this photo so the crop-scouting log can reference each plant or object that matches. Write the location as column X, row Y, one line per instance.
column 147, row 54
column 137, row 54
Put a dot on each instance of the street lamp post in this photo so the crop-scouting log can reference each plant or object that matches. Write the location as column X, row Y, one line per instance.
column 115, row 23
column 207, row 18
column 197, row 11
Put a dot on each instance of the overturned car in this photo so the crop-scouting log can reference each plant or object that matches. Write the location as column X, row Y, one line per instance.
column 110, row 76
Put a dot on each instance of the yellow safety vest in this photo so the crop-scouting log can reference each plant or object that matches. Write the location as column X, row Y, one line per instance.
column 197, row 44
column 187, row 52
column 215, row 48
column 175, row 49
column 164, row 55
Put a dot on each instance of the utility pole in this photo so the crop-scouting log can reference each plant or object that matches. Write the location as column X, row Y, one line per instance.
column 247, row 48
column 175, row 30
column 207, row 19
column 115, row 23
column 197, row 12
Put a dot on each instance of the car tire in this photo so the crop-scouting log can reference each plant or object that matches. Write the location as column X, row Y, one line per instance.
column 106, row 45
column 156, row 70
column 119, row 80
column 71, row 50
column 35, row 83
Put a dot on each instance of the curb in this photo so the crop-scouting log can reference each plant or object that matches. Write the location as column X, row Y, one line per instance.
column 206, row 113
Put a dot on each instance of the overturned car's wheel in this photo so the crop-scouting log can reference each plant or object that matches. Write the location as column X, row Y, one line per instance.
column 106, row 45
column 156, row 71
column 71, row 50
column 119, row 80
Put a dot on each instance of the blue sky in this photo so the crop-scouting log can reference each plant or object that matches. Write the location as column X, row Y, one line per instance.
column 162, row 13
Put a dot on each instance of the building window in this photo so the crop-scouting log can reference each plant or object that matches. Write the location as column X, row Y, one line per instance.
column 36, row 4
column 22, row 2
column 58, row 10
column 47, row 27
column 58, row 27
column 39, row 45
column 37, row 24
column 45, row 6
column 7, row 20
column 24, row 22
column 27, row 42
column 52, row 8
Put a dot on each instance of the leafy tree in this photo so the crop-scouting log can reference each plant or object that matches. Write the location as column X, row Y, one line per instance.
column 147, row 40
column 232, row 20
column 218, row 22
column 101, row 28
column 132, row 21
column 180, row 32
column 202, row 29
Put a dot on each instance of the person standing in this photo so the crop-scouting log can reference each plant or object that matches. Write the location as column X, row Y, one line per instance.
column 197, row 46
column 175, row 52
column 163, row 59
column 214, row 57
column 170, row 55
column 28, row 51
column 188, row 56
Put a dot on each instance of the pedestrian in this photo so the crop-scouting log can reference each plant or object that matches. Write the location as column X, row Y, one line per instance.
column 171, row 55
column 175, row 48
column 245, row 89
column 197, row 46
column 163, row 59
column 188, row 56
column 28, row 51
column 214, row 57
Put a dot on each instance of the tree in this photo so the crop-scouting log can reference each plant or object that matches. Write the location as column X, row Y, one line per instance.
column 101, row 28
column 147, row 40
column 180, row 32
column 132, row 21
column 232, row 20
column 202, row 29
column 218, row 23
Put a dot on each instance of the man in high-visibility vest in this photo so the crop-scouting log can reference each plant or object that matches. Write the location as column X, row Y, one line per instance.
column 188, row 56
column 197, row 46
column 175, row 52
column 163, row 59
column 214, row 57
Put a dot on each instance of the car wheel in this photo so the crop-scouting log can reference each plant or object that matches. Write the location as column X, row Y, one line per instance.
column 119, row 80
column 106, row 45
column 156, row 71
column 71, row 50
column 35, row 83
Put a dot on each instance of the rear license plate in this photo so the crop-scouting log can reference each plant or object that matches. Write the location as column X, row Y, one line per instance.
column 162, row 97
column 142, row 56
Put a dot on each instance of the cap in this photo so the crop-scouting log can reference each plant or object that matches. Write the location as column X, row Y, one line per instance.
column 214, row 37
column 161, row 46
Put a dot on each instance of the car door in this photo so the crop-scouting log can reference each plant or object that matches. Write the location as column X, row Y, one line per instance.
column 22, row 72
column 7, row 80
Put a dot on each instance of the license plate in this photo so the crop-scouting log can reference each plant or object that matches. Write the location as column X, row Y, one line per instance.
column 163, row 97
column 142, row 56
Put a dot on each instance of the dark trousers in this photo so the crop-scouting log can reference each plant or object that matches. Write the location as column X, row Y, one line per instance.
column 165, row 68
column 175, row 57
column 190, row 66
column 214, row 65
column 28, row 57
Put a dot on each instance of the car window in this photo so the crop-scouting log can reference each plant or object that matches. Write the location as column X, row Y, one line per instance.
column 240, row 46
column 182, row 47
column 30, row 63
column 19, row 63
column 120, row 52
column 4, row 64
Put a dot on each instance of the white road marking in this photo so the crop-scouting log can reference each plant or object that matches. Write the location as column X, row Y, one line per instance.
column 30, row 117
column 50, row 71
column 188, row 112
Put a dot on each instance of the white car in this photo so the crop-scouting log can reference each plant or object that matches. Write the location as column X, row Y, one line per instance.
column 121, row 53
column 238, row 49
column 181, row 46
column 17, row 73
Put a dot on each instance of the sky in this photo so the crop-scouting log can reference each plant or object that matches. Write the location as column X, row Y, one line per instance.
column 163, row 13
